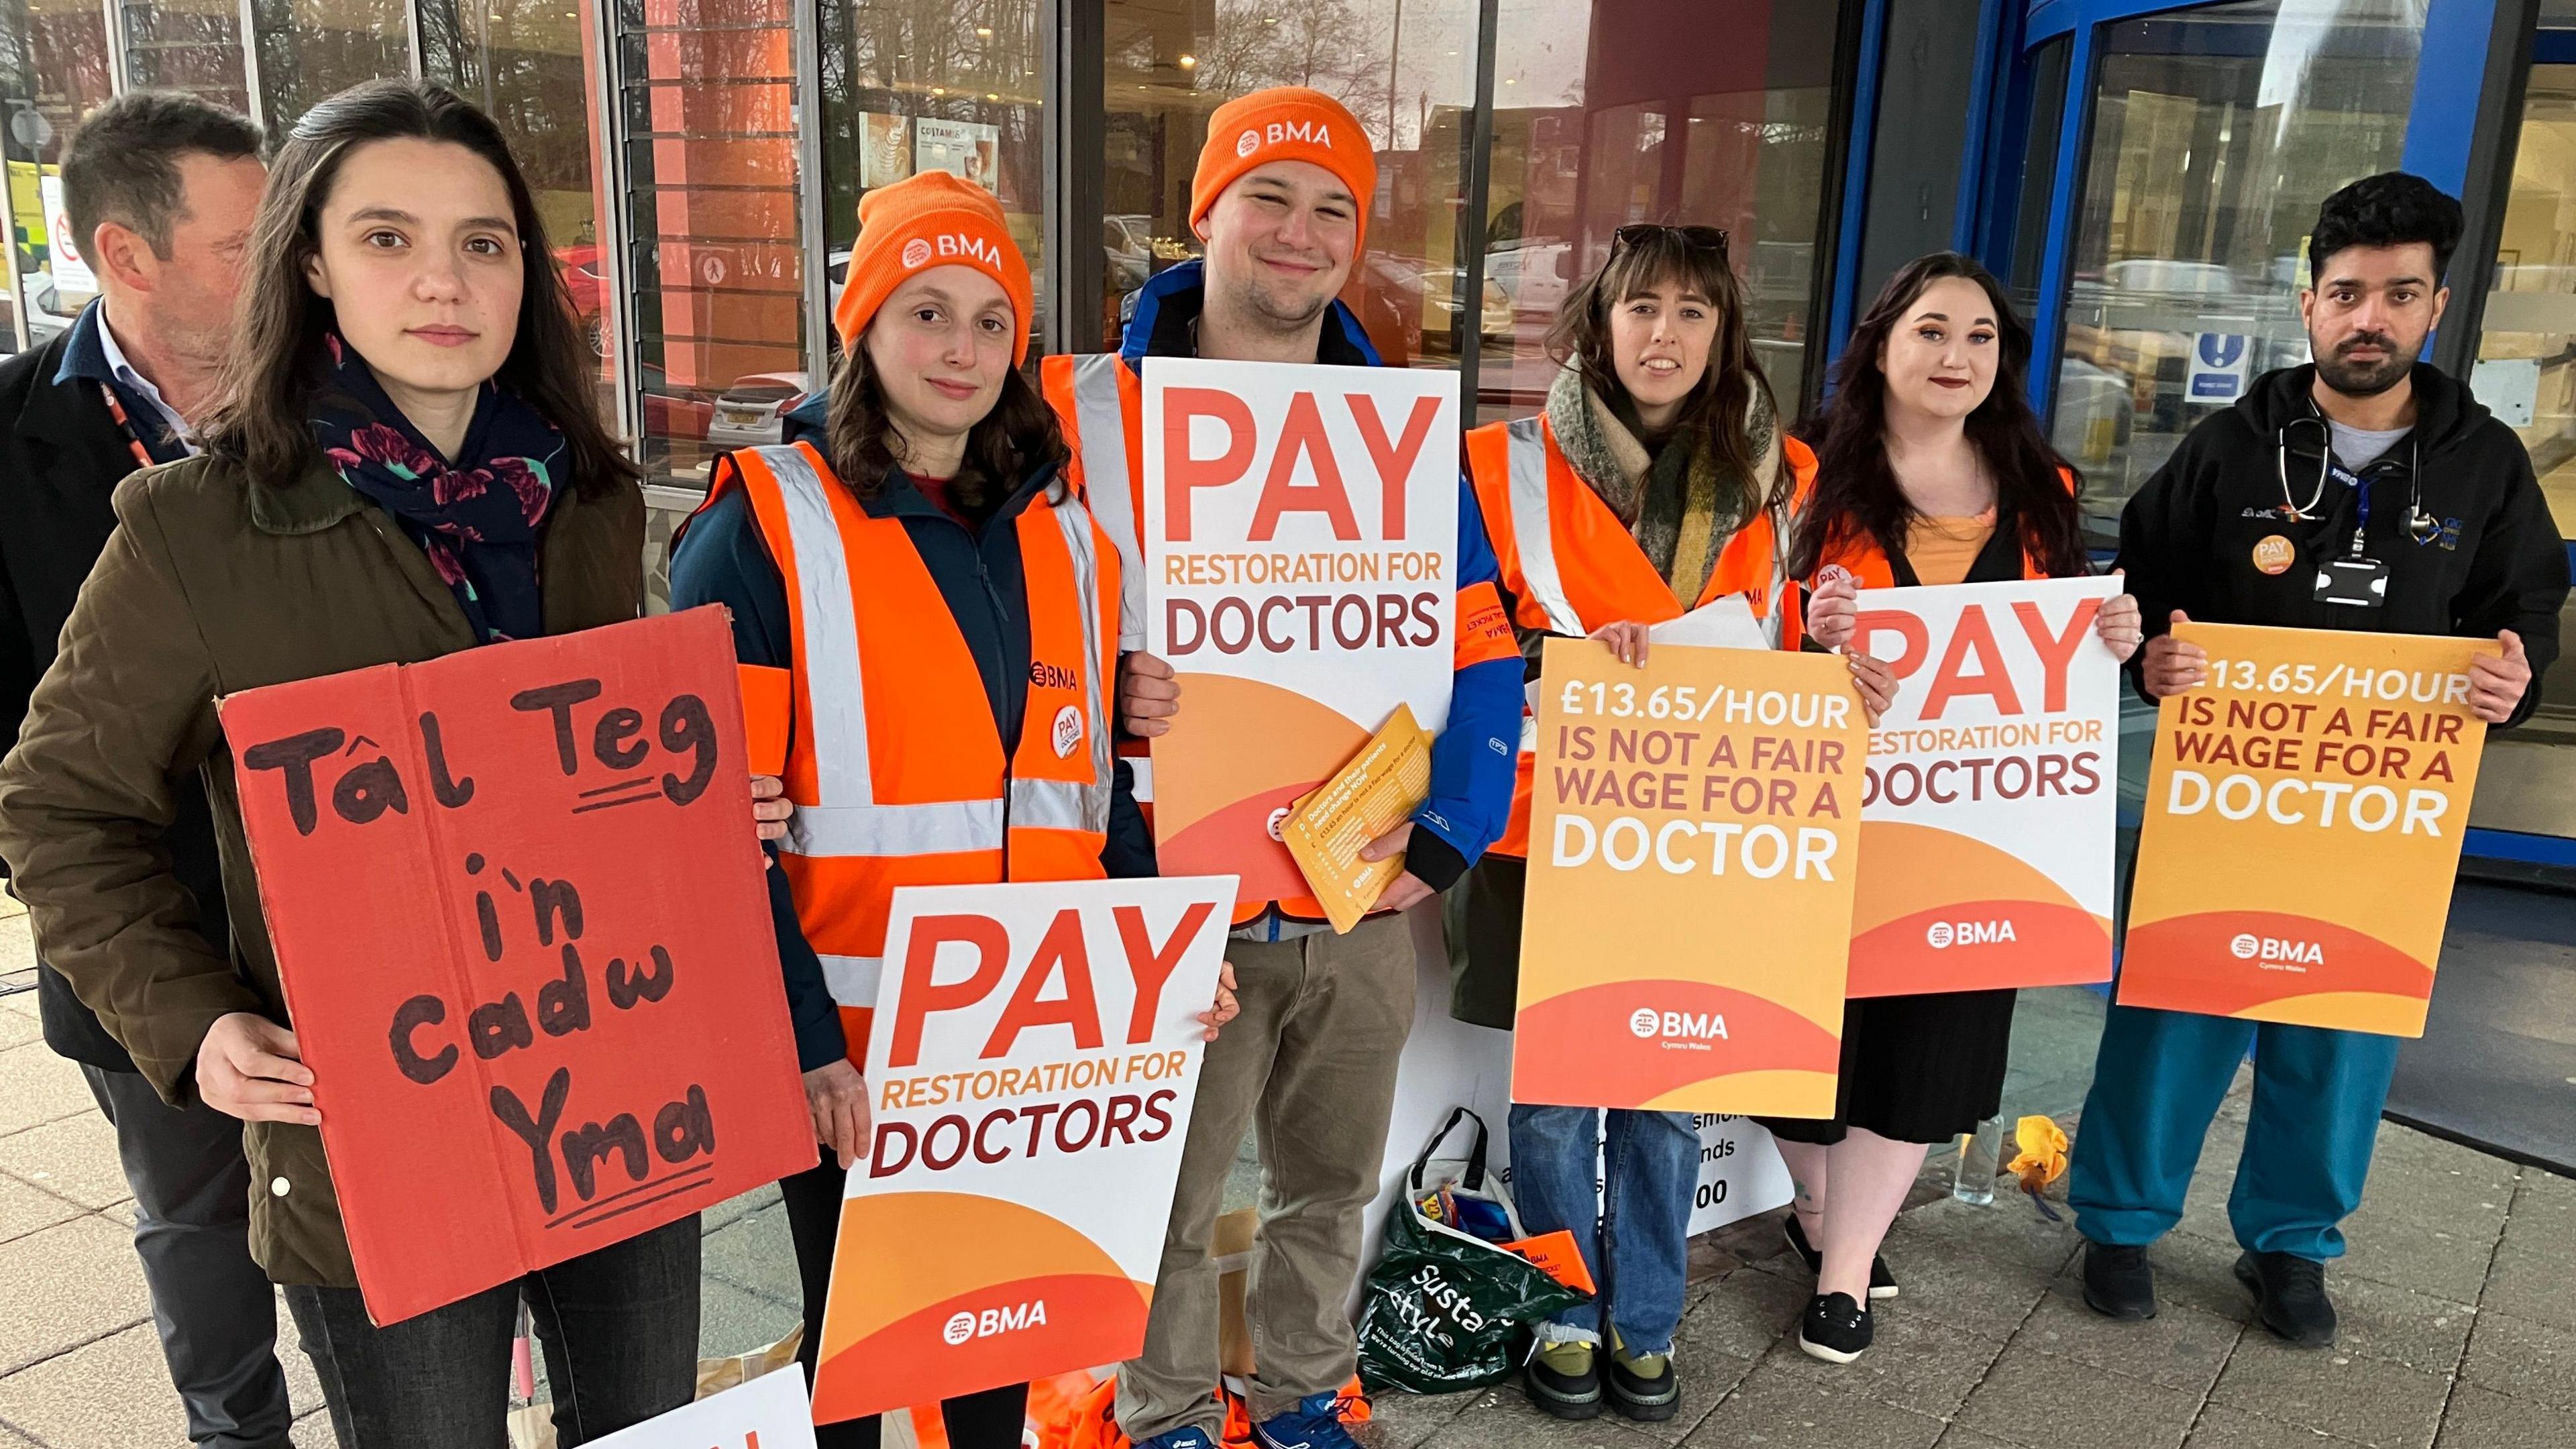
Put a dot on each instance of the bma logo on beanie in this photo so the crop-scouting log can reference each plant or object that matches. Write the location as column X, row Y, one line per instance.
column 916, row 252
column 949, row 246
column 1247, row 143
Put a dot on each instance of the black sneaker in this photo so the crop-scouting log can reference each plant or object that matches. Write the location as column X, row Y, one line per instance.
column 2119, row 1282
column 2290, row 1297
column 1564, row 1383
column 1835, row 1328
column 1882, row 1283
column 1643, row 1388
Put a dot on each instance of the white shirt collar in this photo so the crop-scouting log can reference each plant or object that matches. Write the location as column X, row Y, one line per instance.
column 142, row 386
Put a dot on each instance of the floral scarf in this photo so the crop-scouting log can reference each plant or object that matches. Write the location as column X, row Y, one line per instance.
column 477, row 518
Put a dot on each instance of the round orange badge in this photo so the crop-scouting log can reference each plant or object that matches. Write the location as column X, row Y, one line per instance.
column 2273, row 554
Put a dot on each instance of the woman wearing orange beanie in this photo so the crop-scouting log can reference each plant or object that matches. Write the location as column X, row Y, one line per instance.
column 905, row 567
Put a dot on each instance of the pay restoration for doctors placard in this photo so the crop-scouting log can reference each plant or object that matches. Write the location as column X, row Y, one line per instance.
column 2303, row 828
column 1694, row 830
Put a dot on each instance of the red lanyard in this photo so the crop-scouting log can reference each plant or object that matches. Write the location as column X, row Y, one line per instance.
column 133, row 440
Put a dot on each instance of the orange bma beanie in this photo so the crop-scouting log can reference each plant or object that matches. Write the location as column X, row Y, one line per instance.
column 930, row 220
column 1284, row 123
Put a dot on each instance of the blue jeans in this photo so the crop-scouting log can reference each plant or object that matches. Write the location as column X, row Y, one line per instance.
column 2157, row 1083
column 1638, row 1252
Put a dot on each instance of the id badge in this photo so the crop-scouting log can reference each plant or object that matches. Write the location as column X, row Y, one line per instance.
column 2361, row 582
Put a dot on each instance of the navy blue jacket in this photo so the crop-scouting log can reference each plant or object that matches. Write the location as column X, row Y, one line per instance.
column 720, row 558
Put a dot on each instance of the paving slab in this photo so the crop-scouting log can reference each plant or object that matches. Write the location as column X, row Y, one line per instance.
column 111, row 1394
column 2046, row 1401
column 2383, row 1321
column 37, row 1086
column 1779, row 1409
column 25, row 1209
column 74, row 1158
column 1915, row 1362
column 17, row 1028
column 2439, row 1262
column 2180, row 1348
column 1960, row 1436
column 2533, row 1279
column 756, row 1253
column 734, row 1209
column 1507, row 1418
column 71, row 1283
column 1744, row 1316
column 313, row 1431
column 1403, row 1421
column 2523, row 1358
column 2482, row 1419
column 1946, row 1279
column 2225, row 1428
column 735, row 1320
column 2369, row 1401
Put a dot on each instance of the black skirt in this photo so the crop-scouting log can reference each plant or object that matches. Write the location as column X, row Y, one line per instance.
column 1915, row 1068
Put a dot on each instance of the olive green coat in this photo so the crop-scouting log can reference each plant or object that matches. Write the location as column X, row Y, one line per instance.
column 215, row 582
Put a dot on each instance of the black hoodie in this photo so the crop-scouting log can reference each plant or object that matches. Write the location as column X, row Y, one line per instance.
column 2188, row 538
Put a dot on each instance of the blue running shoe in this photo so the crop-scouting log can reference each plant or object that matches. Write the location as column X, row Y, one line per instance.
column 1315, row 1423
column 1188, row 1436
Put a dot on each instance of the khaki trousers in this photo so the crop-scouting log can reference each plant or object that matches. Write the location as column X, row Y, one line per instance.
column 1310, row 1067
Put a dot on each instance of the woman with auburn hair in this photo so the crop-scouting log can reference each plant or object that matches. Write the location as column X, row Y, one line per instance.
column 1931, row 469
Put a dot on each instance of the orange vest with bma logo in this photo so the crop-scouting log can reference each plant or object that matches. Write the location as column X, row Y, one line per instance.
column 893, row 762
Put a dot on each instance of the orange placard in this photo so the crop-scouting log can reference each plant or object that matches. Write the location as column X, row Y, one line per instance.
column 1693, row 843
column 2303, row 827
column 1557, row 1255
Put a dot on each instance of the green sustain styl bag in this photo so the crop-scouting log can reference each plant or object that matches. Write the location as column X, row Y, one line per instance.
column 1445, row 1310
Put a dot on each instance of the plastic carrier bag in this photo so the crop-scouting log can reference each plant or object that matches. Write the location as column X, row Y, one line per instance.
column 1446, row 1309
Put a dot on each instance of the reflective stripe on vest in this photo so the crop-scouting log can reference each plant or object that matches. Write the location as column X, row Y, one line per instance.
column 1531, row 529
column 1100, row 423
column 847, row 848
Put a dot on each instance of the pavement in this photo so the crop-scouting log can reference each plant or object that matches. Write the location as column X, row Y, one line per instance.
column 2458, row 1299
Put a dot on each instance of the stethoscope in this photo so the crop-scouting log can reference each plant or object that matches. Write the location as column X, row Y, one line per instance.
column 2420, row 525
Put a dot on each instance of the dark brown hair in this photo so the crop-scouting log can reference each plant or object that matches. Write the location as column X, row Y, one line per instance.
column 263, row 417
column 1715, row 410
column 122, row 164
column 1020, row 434
column 1857, row 495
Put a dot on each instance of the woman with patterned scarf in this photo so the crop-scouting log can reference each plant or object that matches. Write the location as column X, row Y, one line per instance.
column 405, row 464
column 1657, row 480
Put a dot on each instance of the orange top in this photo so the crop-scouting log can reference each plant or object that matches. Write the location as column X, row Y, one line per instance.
column 1942, row 550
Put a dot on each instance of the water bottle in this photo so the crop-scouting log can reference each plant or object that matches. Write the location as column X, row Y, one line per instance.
column 1980, row 1158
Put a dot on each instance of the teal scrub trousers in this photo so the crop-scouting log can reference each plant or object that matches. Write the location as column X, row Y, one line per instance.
column 2157, row 1082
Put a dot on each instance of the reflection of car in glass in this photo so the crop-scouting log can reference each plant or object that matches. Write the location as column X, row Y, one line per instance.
column 747, row 414
column 1532, row 276
column 672, row 411
column 588, row 289
column 1127, row 244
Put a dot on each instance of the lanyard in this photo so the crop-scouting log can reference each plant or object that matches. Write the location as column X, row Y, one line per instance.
column 133, row 440
column 2360, row 501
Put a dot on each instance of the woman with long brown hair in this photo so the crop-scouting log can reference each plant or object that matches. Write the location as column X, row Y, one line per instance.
column 1656, row 480
column 1931, row 469
column 916, row 563
column 405, row 464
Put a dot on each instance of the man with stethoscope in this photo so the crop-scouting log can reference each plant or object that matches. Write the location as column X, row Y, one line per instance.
column 2365, row 491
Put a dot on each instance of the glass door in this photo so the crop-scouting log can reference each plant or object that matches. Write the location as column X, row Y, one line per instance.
column 2216, row 131
column 2526, row 367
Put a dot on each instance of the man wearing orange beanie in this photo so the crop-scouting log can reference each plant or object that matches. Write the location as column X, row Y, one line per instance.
column 1281, row 201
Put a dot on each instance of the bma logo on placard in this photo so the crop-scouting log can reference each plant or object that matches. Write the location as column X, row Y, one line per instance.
column 1686, row 1031
column 2276, row 954
column 966, row 1327
column 1942, row 935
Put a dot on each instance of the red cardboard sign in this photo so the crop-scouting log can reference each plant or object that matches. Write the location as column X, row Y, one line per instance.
column 522, row 925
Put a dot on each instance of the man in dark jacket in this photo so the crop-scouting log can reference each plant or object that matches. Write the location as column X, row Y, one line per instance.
column 2364, row 491
column 161, row 190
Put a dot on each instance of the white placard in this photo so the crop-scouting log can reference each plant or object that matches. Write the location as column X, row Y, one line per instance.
column 769, row 1412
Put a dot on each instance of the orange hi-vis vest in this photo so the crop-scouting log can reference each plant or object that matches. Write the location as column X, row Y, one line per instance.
column 1571, row 566
column 1100, row 401
column 895, row 768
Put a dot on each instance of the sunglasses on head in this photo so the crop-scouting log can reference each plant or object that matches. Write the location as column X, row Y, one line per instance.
column 1695, row 238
